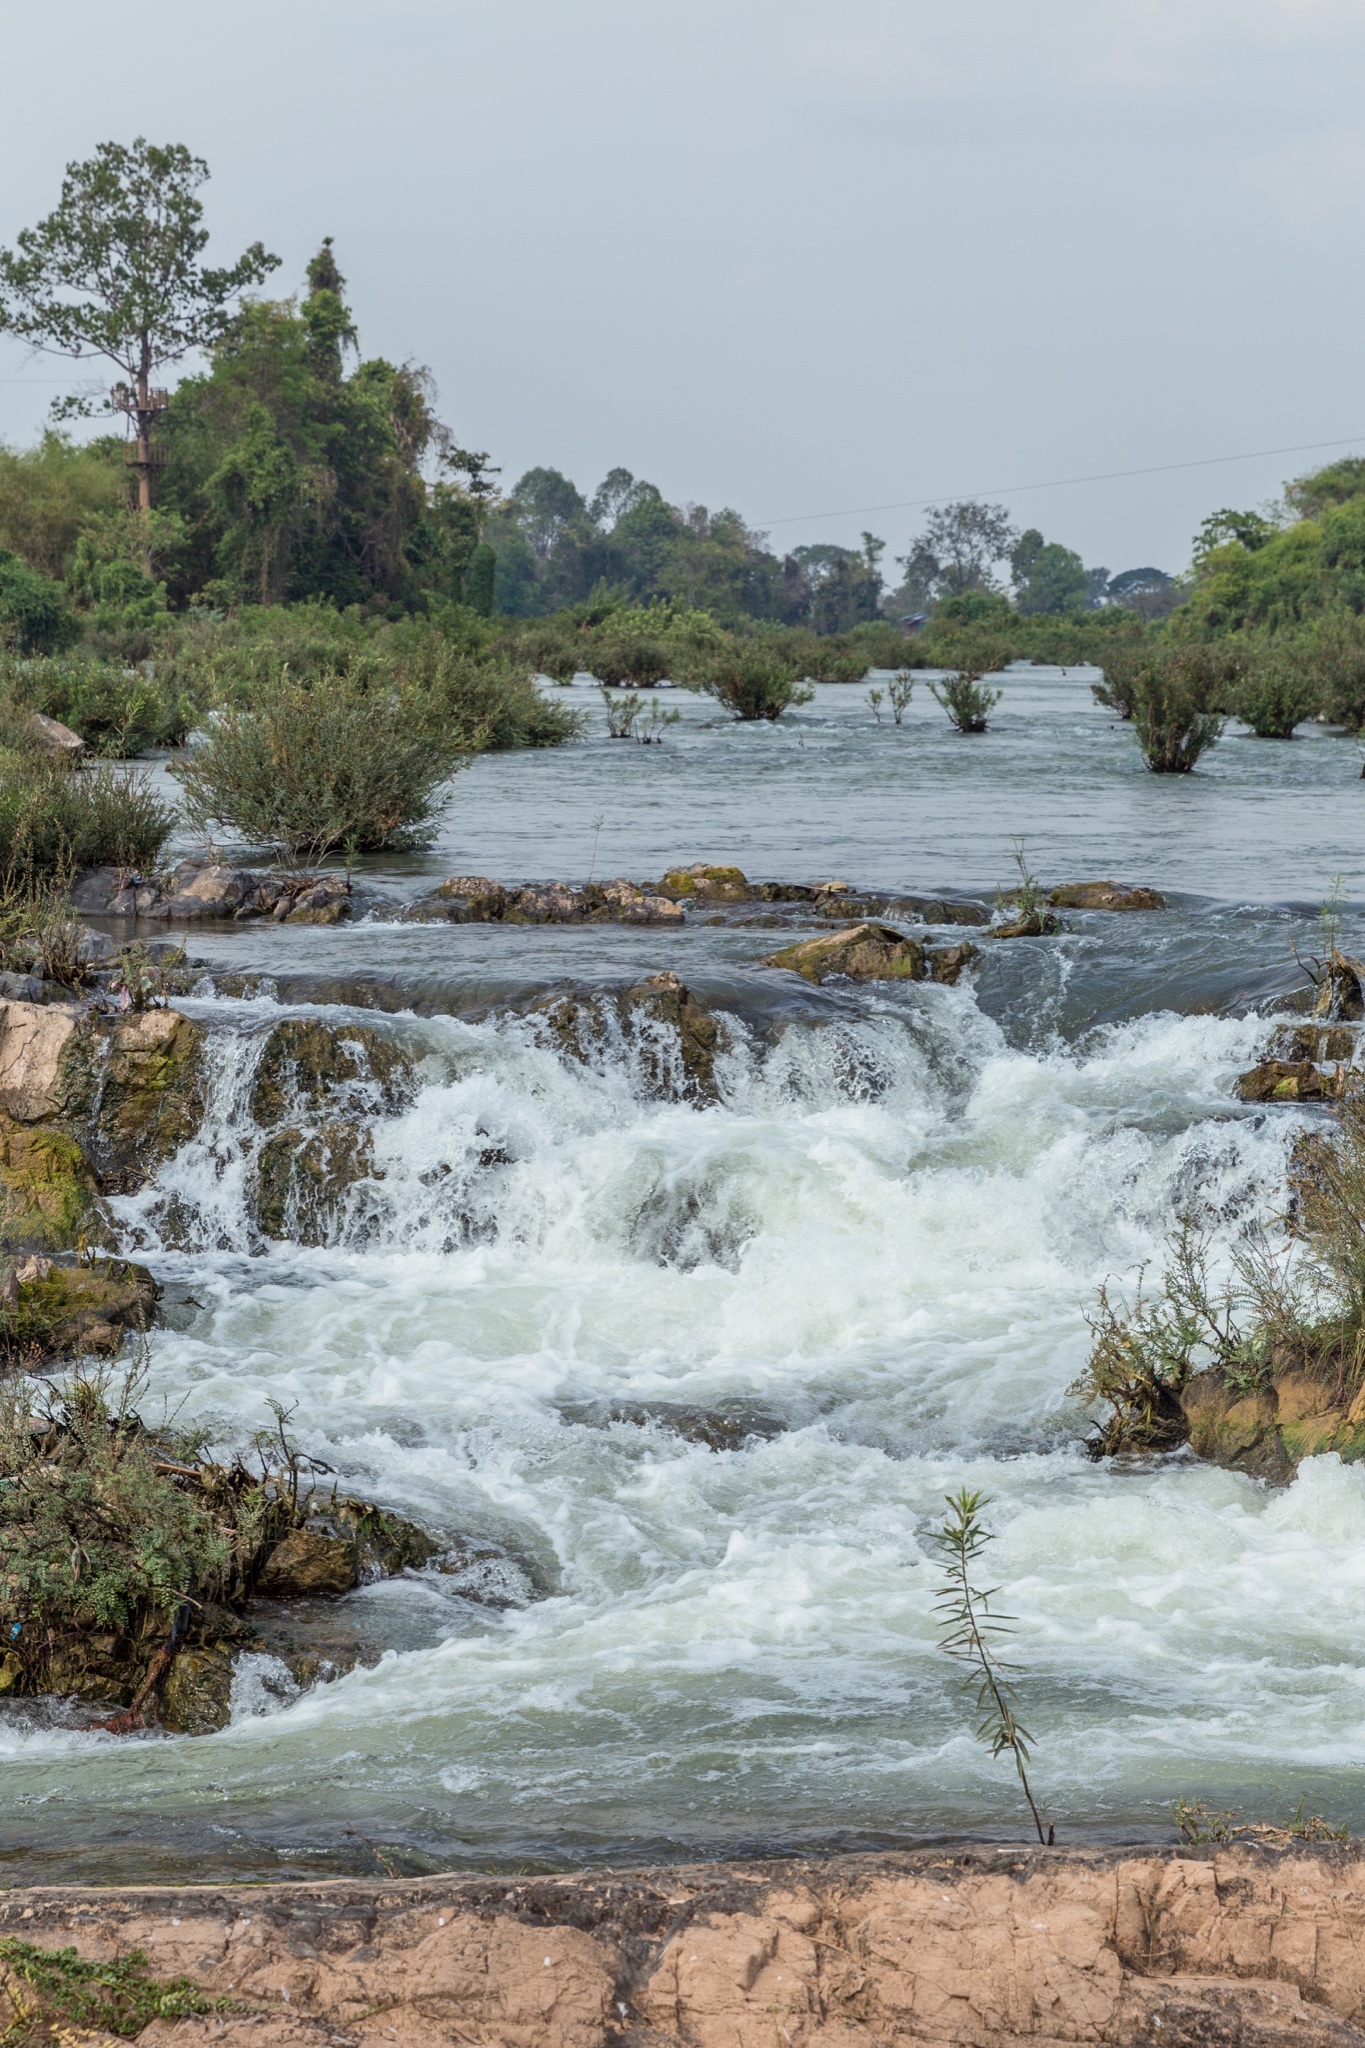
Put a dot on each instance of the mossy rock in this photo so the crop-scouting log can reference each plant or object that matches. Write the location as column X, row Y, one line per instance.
column 75, row 1310
column 1104, row 896
column 302, row 1178
column 150, row 1099
column 1287, row 1081
column 709, row 884
column 947, row 964
column 864, row 952
column 49, row 1199
column 307, row 1063
column 196, row 1693
column 1267, row 1430
column 580, row 1026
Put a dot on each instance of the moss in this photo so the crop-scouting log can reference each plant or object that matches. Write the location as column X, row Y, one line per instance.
column 76, row 1309
column 150, row 1101
column 48, row 1196
column 709, row 884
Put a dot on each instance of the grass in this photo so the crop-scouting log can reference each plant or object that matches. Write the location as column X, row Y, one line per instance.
column 49, row 1991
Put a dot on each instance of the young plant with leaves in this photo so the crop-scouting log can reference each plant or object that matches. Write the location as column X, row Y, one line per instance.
column 970, row 1630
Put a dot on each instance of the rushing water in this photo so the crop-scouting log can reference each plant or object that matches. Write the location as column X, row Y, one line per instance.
column 876, row 1252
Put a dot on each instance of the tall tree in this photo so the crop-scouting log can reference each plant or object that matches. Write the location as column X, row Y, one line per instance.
column 114, row 271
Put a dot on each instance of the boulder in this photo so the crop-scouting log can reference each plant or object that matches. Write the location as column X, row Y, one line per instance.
column 301, row 1179
column 947, row 965
column 105, row 892
column 1287, row 1081
column 308, row 1065
column 49, row 1198
column 864, row 952
column 196, row 1693
column 54, row 737
column 464, row 899
column 708, row 884
column 1027, row 924
column 1104, row 896
column 149, row 1099
column 1335, row 1043
column 308, row 1562
column 936, row 910
column 39, row 1070
column 20, row 988
column 1341, row 992
column 215, row 891
column 624, row 902
column 545, row 903
column 1266, row 1430
column 325, row 900
column 76, row 1308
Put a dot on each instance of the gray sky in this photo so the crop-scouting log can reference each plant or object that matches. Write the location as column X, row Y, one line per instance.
column 797, row 256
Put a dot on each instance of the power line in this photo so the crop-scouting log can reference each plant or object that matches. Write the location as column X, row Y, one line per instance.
column 1060, row 482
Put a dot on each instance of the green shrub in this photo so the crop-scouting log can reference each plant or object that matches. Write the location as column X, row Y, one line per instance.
column 1276, row 691
column 119, row 711
column 964, row 696
column 56, row 819
column 34, row 615
column 1334, row 650
column 1119, row 667
column 334, row 763
column 754, row 683
column 1176, row 695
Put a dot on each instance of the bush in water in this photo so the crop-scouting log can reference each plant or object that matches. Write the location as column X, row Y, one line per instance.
column 331, row 763
column 1277, row 691
column 119, row 711
column 1119, row 676
column 754, row 683
column 55, row 819
column 1178, row 694
column 1334, row 650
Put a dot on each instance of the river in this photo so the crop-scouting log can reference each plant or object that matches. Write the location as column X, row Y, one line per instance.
column 874, row 1254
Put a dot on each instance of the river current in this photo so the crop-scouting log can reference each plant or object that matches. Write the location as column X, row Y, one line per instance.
column 874, row 1254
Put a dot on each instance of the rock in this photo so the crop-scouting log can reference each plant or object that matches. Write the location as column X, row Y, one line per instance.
column 947, row 966
column 1336, row 1043
column 1341, row 993
column 1104, row 896
column 579, row 1025
column 545, row 903
column 92, row 946
column 708, row 884
column 74, row 1309
column 302, row 1179
column 196, row 1693
column 96, row 891
column 36, row 1044
column 1287, row 1081
column 20, row 988
column 215, row 891
column 1267, row 1430
column 1029, row 924
column 54, row 737
column 473, row 898
column 783, row 892
column 936, row 910
column 864, row 952
column 308, row 1065
column 149, row 1099
column 308, row 1562
column 49, row 1199
column 626, row 902
column 326, row 900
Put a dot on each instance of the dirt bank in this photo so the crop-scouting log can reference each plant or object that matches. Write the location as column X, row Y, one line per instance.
column 1243, row 1945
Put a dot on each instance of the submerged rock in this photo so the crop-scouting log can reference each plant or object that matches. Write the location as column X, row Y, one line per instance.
column 474, row 899
column 307, row 1063
column 863, row 952
column 302, row 1179
column 680, row 1065
column 317, row 1087
column 1104, row 896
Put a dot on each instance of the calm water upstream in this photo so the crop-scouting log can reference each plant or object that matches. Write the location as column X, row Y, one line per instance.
column 878, row 1248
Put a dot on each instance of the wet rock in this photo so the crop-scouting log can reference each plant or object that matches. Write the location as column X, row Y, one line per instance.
column 1337, row 1044
column 1341, row 992
column 324, row 901
column 729, row 1426
column 1104, row 896
column 624, row 902
column 462, row 899
column 1028, row 924
column 49, row 1199
column 302, row 1179
column 308, row 1065
column 1267, row 1430
column 936, row 910
column 73, row 1309
column 678, row 1066
column 864, row 952
column 149, row 1099
column 946, row 965
column 1287, row 1081
column 196, row 1693
column 308, row 1562
column 708, row 884
column 545, row 903
column 54, row 737
column 783, row 892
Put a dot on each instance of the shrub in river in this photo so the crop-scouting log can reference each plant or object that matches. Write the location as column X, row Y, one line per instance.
column 970, row 1628
column 119, row 711
column 1119, row 672
column 966, row 699
column 311, row 767
column 622, row 713
column 1023, row 911
column 754, row 683
column 55, row 819
column 1334, row 651
column 1276, row 691
column 1177, row 692
column 900, row 690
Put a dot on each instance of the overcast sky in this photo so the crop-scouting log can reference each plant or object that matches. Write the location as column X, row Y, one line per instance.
column 797, row 256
